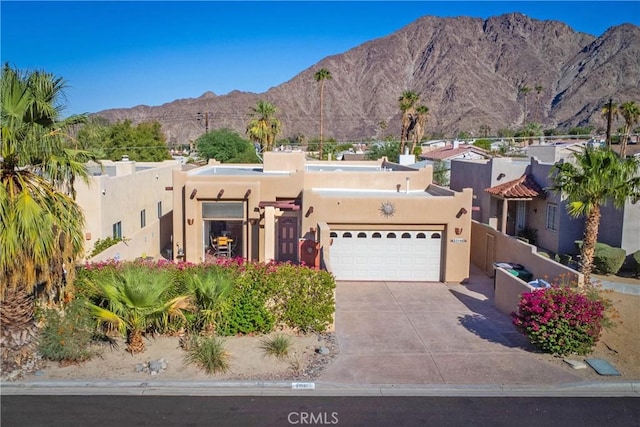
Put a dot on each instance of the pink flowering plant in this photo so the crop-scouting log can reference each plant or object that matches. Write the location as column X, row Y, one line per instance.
column 562, row 320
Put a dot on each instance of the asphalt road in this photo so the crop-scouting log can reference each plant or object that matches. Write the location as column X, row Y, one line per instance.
column 40, row 410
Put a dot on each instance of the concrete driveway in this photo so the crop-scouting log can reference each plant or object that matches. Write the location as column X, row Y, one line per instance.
column 431, row 333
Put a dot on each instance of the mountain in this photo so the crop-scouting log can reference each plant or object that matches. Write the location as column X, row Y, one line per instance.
column 468, row 71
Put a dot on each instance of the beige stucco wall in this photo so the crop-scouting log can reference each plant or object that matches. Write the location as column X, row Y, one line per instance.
column 425, row 206
column 107, row 200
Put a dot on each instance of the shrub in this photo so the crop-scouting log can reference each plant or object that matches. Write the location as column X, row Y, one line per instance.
column 103, row 244
column 606, row 259
column 561, row 320
column 530, row 234
column 277, row 346
column 636, row 259
column 66, row 335
column 208, row 353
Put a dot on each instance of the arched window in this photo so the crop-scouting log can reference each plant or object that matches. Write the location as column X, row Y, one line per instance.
column 406, row 235
column 362, row 235
column 421, row 236
column 376, row 235
column 347, row 234
column 435, row 236
column 333, row 234
column 391, row 235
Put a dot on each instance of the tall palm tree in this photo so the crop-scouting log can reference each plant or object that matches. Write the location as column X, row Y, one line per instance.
column 610, row 113
column 630, row 111
column 320, row 76
column 524, row 90
column 422, row 113
column 407, row 102
column 263, row 126
column 597, row 177
column 40, row 223
column 539, row 88
column 134, row 301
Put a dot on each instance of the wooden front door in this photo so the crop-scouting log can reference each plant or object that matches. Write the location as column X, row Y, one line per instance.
column 288, row 239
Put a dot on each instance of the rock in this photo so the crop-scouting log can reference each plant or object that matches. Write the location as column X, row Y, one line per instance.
column 140, row 367
column 575, row 364
column 322, row 350
column 155, row 366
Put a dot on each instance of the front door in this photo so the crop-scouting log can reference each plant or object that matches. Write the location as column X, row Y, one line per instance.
column 288, row 239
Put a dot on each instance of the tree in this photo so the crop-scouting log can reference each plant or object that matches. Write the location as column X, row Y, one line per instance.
column 597, row 177
column 407, row 102
column 539, row 88
column 421, row 115
column 441, row 173
column 630, row 111
column 226, row 146
column 524, row 90
column 320, row 76
column 610, row 113
column 484, row 143
column 263, row 127
column 41, row 226
column 384, row 149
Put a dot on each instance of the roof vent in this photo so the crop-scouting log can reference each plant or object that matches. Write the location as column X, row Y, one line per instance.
column 125, row 158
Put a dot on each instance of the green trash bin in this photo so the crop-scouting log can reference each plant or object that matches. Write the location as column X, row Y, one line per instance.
column 522, row 274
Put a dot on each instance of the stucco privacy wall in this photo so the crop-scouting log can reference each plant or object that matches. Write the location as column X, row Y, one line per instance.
column 489, row 245
column 339, row 194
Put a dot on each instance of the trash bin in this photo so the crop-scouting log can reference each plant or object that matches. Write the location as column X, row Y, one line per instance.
column 516, row 269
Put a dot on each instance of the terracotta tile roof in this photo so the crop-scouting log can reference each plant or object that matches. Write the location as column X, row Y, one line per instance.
column 523, row 187
column 448, row 152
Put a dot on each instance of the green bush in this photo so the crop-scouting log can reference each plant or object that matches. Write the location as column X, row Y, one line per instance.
column 66, row 335
column 102, row 244
column 607, row 259
column 304, row 297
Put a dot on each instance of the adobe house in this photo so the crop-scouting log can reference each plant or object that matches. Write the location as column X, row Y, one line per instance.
column 362, row 220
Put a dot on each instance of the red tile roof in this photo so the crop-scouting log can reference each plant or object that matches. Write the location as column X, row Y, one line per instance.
column 523, row 187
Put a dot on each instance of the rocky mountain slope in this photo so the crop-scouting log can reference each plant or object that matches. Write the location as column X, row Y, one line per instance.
column 466, row 70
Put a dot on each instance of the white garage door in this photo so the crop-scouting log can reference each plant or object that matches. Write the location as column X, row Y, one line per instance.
column 386, row 255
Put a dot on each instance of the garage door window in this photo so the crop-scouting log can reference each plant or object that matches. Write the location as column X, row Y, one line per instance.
column 376, row 235
column 362, row 235
column 406, row 235
column 421, row 236
column 391, row 236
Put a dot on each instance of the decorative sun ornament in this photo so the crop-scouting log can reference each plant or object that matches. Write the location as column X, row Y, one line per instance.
column 387, row 209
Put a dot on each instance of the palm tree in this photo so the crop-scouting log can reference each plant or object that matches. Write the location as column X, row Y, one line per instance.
column 263, row 126
column 631, row 113
column 320, row 76
column 597, row 177
column 134, row 301
column 407, row 102
column 524, row 90
column 209, row 291
column 422, row 113
column 40, row 224
column 539, row 88
column 610, row 113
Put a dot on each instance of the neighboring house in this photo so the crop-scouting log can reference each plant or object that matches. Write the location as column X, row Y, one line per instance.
column 509, row 195
column 455, row 151
column 129, row 200
column 362, row 220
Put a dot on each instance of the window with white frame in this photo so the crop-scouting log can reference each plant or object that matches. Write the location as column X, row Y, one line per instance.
column 552, row 217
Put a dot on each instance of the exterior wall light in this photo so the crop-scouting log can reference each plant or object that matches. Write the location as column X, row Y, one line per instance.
column 193, row 193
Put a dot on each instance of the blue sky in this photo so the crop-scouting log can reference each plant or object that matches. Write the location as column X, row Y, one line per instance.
column 123, row 54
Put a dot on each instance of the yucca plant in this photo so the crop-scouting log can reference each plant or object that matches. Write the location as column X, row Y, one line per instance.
column 135, row 300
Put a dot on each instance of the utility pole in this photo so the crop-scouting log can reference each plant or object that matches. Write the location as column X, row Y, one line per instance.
column 206, row 121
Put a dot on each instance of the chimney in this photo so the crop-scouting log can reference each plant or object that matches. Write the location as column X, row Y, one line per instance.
column 456, row 144
column 125, row 166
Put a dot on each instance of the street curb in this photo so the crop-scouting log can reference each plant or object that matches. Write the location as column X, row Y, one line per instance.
column 288, row 388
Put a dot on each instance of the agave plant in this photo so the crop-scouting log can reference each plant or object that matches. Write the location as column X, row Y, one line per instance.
column 136, row 300
column 209, row 288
